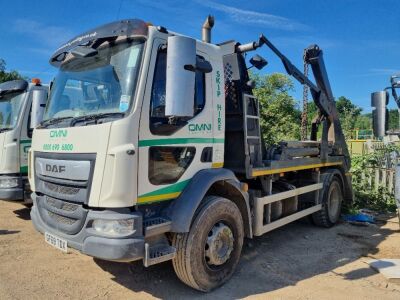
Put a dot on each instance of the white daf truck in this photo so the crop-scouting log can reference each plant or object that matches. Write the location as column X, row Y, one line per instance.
column 21, row 108
column 150, row 149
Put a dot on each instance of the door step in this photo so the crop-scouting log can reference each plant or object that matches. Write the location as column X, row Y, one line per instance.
column 156, row 226
column 157, row 254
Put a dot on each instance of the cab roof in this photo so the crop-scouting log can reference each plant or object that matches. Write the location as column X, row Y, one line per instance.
column 128, row 27
column 13, row 86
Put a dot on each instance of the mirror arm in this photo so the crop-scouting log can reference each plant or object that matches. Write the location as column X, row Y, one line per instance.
column 203, row 67
column 190, row 68
column 177, row 121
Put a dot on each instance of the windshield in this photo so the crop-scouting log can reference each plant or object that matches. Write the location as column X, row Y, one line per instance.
column 103, row 83
column 10, row 106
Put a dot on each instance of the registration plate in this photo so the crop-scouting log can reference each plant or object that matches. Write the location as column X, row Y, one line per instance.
column 56, row 242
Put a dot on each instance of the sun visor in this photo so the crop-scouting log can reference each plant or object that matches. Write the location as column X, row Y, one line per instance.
column 127, row 28
column 13, row 86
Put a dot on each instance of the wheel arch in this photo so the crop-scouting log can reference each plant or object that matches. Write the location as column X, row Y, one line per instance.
column 326, row 177
column 219, row 182
column 228, row 189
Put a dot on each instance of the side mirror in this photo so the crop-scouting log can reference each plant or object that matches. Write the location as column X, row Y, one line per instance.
column 380, row 120
column 258, row 61
column 179, row 95
column 39, row 98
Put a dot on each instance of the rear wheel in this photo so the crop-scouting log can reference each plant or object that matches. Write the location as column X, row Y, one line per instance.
column 331, row 205
column 208, row 254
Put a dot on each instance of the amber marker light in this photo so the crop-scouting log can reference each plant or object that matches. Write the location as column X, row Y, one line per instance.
column 36, row 81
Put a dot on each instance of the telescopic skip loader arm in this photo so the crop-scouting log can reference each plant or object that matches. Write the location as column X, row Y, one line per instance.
column 333, row 140
column 394, row 84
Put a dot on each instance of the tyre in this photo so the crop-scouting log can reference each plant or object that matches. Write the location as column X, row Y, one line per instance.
column 208, row 254
column 332, row 199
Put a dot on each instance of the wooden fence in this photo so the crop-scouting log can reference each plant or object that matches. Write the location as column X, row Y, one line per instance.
column 380, row 176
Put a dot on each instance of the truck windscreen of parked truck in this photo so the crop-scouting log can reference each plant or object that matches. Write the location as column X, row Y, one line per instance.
column 97, row 85
column 10, row 106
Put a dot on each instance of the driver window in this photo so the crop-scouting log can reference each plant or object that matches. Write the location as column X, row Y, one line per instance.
column 158, row 121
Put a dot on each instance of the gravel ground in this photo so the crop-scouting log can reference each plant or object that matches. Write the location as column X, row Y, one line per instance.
column 298, row 261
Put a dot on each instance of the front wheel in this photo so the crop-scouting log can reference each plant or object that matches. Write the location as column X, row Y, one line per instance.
column 331, row 205
column 208, row 254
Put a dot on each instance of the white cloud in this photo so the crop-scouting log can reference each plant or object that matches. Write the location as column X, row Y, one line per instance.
column 384, row 71
column 29, row 72
column 254, row 17
column 303, row 41
column 48, row 36
column 376, row 72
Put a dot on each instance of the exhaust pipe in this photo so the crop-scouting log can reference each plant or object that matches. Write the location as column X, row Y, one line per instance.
column 206, row 29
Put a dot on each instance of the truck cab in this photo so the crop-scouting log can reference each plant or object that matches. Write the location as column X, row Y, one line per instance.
column 150, row 148
column 107, row 148
column 17, row 99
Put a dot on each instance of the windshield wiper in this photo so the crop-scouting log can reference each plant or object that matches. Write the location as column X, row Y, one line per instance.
column 49, row 122
column 5, row 129
column 96, row 117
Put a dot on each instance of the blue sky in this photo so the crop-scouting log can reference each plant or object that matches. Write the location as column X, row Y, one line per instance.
column 360, row 39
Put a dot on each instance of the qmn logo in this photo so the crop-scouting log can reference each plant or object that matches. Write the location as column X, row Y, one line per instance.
column 199, row 127
column 58, row 133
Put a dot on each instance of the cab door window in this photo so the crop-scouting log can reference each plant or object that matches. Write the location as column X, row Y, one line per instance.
column 159, row 123
column 167, row 164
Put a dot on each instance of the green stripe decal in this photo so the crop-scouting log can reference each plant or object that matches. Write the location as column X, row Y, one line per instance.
column 160, row 142
column 25, row 141
column 177, row 187
column 23, row 169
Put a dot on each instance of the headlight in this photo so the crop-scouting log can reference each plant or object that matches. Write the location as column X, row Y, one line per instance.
column 114, row 227
column 6, row 183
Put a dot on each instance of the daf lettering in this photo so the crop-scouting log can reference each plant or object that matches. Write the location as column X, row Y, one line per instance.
column 55, row 168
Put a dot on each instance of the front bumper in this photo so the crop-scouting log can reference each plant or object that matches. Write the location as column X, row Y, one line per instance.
column 14, row 193
column 90, row 242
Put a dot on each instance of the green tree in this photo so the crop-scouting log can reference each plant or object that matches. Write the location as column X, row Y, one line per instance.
column 8, row 75
column 393, row 119
column 345, row 105
column 280, row 116
column 364, row 121
column 349, row 114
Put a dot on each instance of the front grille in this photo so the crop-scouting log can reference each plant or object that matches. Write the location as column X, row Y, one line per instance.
column 73, row 184
column 60, row 197
column 61, row 189
column 70, row 207
column 61, row 219
column 65, row 216
column 66, row 206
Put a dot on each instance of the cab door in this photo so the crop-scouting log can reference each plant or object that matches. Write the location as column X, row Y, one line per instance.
column 172, row 151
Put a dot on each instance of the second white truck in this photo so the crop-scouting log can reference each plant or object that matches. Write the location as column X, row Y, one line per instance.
column 21, row 109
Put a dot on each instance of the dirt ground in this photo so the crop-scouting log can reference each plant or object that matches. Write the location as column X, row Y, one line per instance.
column 298, row 261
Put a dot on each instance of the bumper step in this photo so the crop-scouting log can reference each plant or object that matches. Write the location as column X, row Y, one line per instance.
column 156, row 226
column 158, row 254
